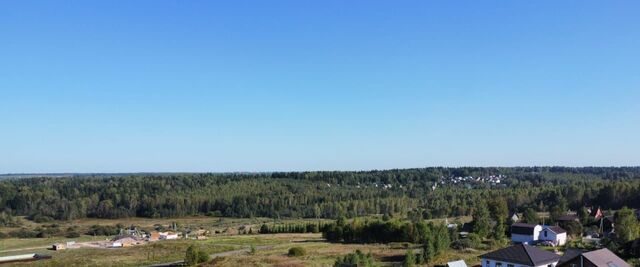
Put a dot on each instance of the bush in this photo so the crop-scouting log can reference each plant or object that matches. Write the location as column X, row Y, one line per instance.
column 194, row 255
column 296, row 252
column 409, row 259
column 7, row 220
column 202, row 256
column 41, row 219
column 356, row 259
column 72, row 235
column 474, row 240
column 23, row 233
column 103, row 230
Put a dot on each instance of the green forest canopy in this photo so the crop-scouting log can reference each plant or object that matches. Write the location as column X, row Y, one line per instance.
column 317, row 194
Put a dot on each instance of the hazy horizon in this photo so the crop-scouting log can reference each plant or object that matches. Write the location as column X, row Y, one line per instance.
column 293, row 86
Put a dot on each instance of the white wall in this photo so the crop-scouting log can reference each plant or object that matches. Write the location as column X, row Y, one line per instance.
column 559, row 239
column 493, row 263
column 527, row 239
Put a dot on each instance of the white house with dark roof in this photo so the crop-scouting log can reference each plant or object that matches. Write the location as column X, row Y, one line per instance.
column 555, row 234
column 520, row 255
column 525, row 233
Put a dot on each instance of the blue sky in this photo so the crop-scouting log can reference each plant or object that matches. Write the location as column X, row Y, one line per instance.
column 126, row 86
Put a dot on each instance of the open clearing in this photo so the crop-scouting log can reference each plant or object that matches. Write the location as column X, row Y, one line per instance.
column 271, row 251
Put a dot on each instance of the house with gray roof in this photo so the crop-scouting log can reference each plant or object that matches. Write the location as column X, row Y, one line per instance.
column 520, row 255
column 597, row 258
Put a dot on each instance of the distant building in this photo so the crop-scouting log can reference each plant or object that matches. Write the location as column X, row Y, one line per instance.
column 515, row 218
column 125, row 241
column 597, row 258
column 525, row 233
column 568, row 218
column 154, row 236
column 555, row 234
column 519, row 256
column 59, row 246
column 168, row 235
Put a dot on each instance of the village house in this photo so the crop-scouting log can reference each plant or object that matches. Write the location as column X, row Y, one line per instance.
column 123, row 241
column 59, row 246
column 154, row 236
column 597, row 258
column 520, row 255
column 525, row 233
column 168, row 235
column 567, row 218
column 555, row 234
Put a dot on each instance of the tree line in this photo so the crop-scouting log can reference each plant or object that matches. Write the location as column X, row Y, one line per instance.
column 313, row 194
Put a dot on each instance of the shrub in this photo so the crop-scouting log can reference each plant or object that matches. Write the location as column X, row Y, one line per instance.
column 202, row 256
column 474, row 240
column 41, row 219
column 356, row 259
column 191, row 256
column 296, row 252
column 23, row 233
column 409, row 259
column 72, row 235
column 194, row 255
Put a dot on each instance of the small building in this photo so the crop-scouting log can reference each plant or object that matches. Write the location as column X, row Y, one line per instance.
column 525, row 233
column 520, row 255
column 168, row 235
column 515, row 218
column 458, row 263
column 597, row 258
column 59, row 246
column 555, row 234
column 154, row 236
column 568, row 218
column 126, row 241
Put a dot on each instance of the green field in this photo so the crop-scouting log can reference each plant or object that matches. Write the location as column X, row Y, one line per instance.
column 271, row 251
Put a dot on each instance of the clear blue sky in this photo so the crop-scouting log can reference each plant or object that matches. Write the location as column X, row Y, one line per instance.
column 121, row 86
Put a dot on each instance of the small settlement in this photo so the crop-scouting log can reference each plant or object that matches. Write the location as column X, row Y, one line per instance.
column 133, row 237
column 527, row 238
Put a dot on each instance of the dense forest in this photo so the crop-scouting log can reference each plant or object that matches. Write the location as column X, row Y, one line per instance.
column 413, row 192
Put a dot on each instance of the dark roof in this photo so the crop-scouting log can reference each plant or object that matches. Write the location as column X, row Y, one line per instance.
column 522, row 254
column 568, row 217
column 570, row 254
column 605, row 258
column 556, row 229
column 522, row 228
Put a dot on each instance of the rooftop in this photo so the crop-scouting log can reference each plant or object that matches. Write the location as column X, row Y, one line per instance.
column 522, row 254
